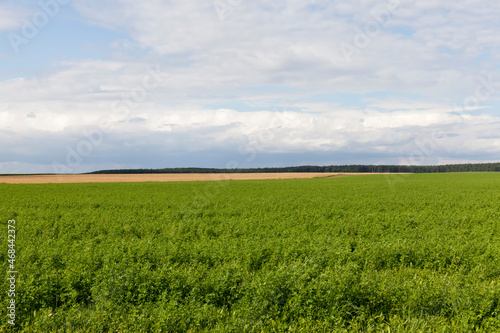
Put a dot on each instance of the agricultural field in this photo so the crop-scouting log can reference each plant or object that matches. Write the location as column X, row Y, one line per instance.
column 374, row 253
column 169, row 177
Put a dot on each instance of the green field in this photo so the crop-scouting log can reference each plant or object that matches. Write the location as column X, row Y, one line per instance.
column 412, row 253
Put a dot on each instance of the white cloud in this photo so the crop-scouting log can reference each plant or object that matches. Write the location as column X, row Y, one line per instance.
column 193, row 128
column 11, row 15
column 286, row 43
column 276, row 57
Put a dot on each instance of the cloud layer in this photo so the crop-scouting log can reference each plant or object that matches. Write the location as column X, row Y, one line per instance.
column 259, row 83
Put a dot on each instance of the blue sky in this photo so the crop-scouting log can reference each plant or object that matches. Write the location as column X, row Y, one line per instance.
column 89, row 85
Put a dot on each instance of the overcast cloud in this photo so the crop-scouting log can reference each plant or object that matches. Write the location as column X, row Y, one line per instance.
column 87, row 85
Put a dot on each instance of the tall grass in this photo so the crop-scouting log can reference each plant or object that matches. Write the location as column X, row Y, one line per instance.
column 352, row 254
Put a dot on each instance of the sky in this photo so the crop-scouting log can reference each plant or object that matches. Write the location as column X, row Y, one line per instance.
column 89, row 85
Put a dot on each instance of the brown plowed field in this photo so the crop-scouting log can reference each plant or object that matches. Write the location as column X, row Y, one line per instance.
column 46, row 179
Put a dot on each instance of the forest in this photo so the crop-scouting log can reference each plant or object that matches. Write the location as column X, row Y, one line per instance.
column 479, row 167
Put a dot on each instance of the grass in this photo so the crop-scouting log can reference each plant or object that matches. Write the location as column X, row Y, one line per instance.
column 378, row 253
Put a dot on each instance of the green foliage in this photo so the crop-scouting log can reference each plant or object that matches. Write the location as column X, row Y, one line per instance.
column 401, row 253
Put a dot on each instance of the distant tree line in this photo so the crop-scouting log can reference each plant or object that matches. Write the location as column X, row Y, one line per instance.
column 479, row 167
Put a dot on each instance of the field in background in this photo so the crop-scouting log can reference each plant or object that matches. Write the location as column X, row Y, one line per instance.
column 407, row 253
column 134, row 178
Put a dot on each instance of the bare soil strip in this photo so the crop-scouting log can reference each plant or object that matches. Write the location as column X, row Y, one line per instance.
column 125, row 178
